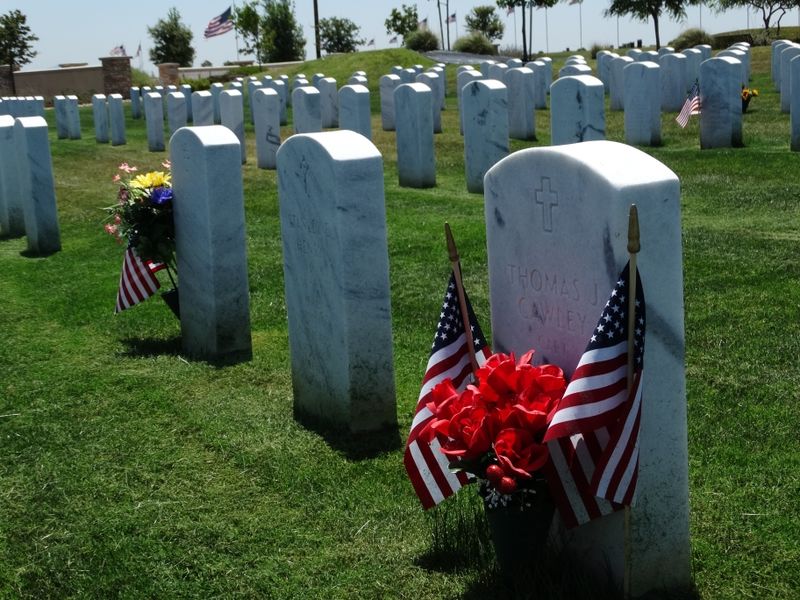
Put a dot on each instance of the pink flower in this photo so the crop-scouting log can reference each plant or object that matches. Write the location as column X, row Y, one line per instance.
column 116, row 178
column 127, row 168
column 166, row 164
column 110, row 229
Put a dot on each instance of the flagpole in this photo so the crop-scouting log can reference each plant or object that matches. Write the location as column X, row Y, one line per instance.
column 236, row 31
column 633, row 249
column 462, row 302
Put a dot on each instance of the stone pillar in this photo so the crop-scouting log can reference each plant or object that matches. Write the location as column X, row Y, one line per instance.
column 168, row 74
column 116, row 75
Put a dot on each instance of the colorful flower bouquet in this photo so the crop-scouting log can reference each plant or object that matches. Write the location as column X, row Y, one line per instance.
column 493, row 430
column 747, row 95
column 142, row 220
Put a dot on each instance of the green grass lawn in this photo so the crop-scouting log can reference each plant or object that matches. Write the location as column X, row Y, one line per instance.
column 129, row 471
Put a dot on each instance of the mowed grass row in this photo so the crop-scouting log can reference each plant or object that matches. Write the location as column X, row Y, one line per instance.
column 129, row 471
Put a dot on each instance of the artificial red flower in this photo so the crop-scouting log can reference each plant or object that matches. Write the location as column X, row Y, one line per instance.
column 518, row 453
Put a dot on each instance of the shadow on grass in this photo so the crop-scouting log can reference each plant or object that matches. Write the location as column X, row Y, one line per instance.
column 36, row 254
column 150, row 347
column 11, row 236
column 461, row 542
column 353, row 446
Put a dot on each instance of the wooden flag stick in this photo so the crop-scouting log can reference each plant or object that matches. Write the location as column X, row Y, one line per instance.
column 633, row 249
column 462, row 302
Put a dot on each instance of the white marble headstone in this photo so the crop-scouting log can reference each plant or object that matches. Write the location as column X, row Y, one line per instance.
column 416, row 163
column 267, row 126
column 521, row 114
column 336, row 274
column 116, row 116
column 100, row 116
column 231, row 115
column 556, row 232
column 577, row 110
column 12, row 209
column 210, row 243
column 354, row 110
column 387, row 84
column 37, row 187
column 484, row 106
column 307, row 109
column 643, row 117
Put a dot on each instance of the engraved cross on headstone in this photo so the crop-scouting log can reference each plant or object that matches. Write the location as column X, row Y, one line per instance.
column 547, row 198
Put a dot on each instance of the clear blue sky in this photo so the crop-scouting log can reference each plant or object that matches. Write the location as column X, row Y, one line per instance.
column 84, row 30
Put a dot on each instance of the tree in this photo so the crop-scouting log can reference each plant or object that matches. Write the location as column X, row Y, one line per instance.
column 339, row 35
column 767, row 8
column 283, row 36
column 649, row 9
column 521, row 4
column 172, row 41
column 402, row 22
column 247, row 23
column 270, row 31
column 484, row 20
column 16, row 43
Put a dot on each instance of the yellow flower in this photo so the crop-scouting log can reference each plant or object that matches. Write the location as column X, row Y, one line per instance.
column 151, row 180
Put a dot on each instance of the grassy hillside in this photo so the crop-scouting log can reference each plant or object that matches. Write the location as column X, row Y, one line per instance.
column 130, row 471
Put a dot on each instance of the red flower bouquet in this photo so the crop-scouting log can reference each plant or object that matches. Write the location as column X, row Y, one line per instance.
column 494, row 429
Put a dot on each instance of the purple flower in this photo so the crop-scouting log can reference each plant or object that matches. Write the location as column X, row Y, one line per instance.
column 160, row 196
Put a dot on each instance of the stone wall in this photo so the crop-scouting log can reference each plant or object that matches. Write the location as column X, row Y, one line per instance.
column 113, row 76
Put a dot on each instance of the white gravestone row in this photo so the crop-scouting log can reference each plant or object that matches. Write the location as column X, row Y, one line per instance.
column 788, row 53
column 577, row 112
column 775, row 61
column 547, row 292
column 336, row 271
column 463, row 79
column 22, row 106
column 280, row 87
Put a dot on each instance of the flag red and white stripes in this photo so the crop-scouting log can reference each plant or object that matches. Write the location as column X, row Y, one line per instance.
column 593, row 437
column 138, row 280
column 690, row 107
column 428, row 469
column 219, row 24
column 451, row 18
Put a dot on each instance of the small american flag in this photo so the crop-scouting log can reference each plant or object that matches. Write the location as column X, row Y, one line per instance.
column 451, row 18
column 371, row 42
column 138, row 280
column 393, row 40
column 690, row 107
column 219, row 25
column 593, row 437
column 510, row 10
column 427, row 467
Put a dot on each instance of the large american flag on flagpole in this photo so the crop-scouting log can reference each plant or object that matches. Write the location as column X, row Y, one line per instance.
column 427, row 467
column 219, row 24
column 593, row 437
column 690, row 107
column 138, row 280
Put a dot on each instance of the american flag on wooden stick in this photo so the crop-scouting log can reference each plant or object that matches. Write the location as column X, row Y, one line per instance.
column 690, row 107
column 427, row 467
column 138, row 280
column 593, row 437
